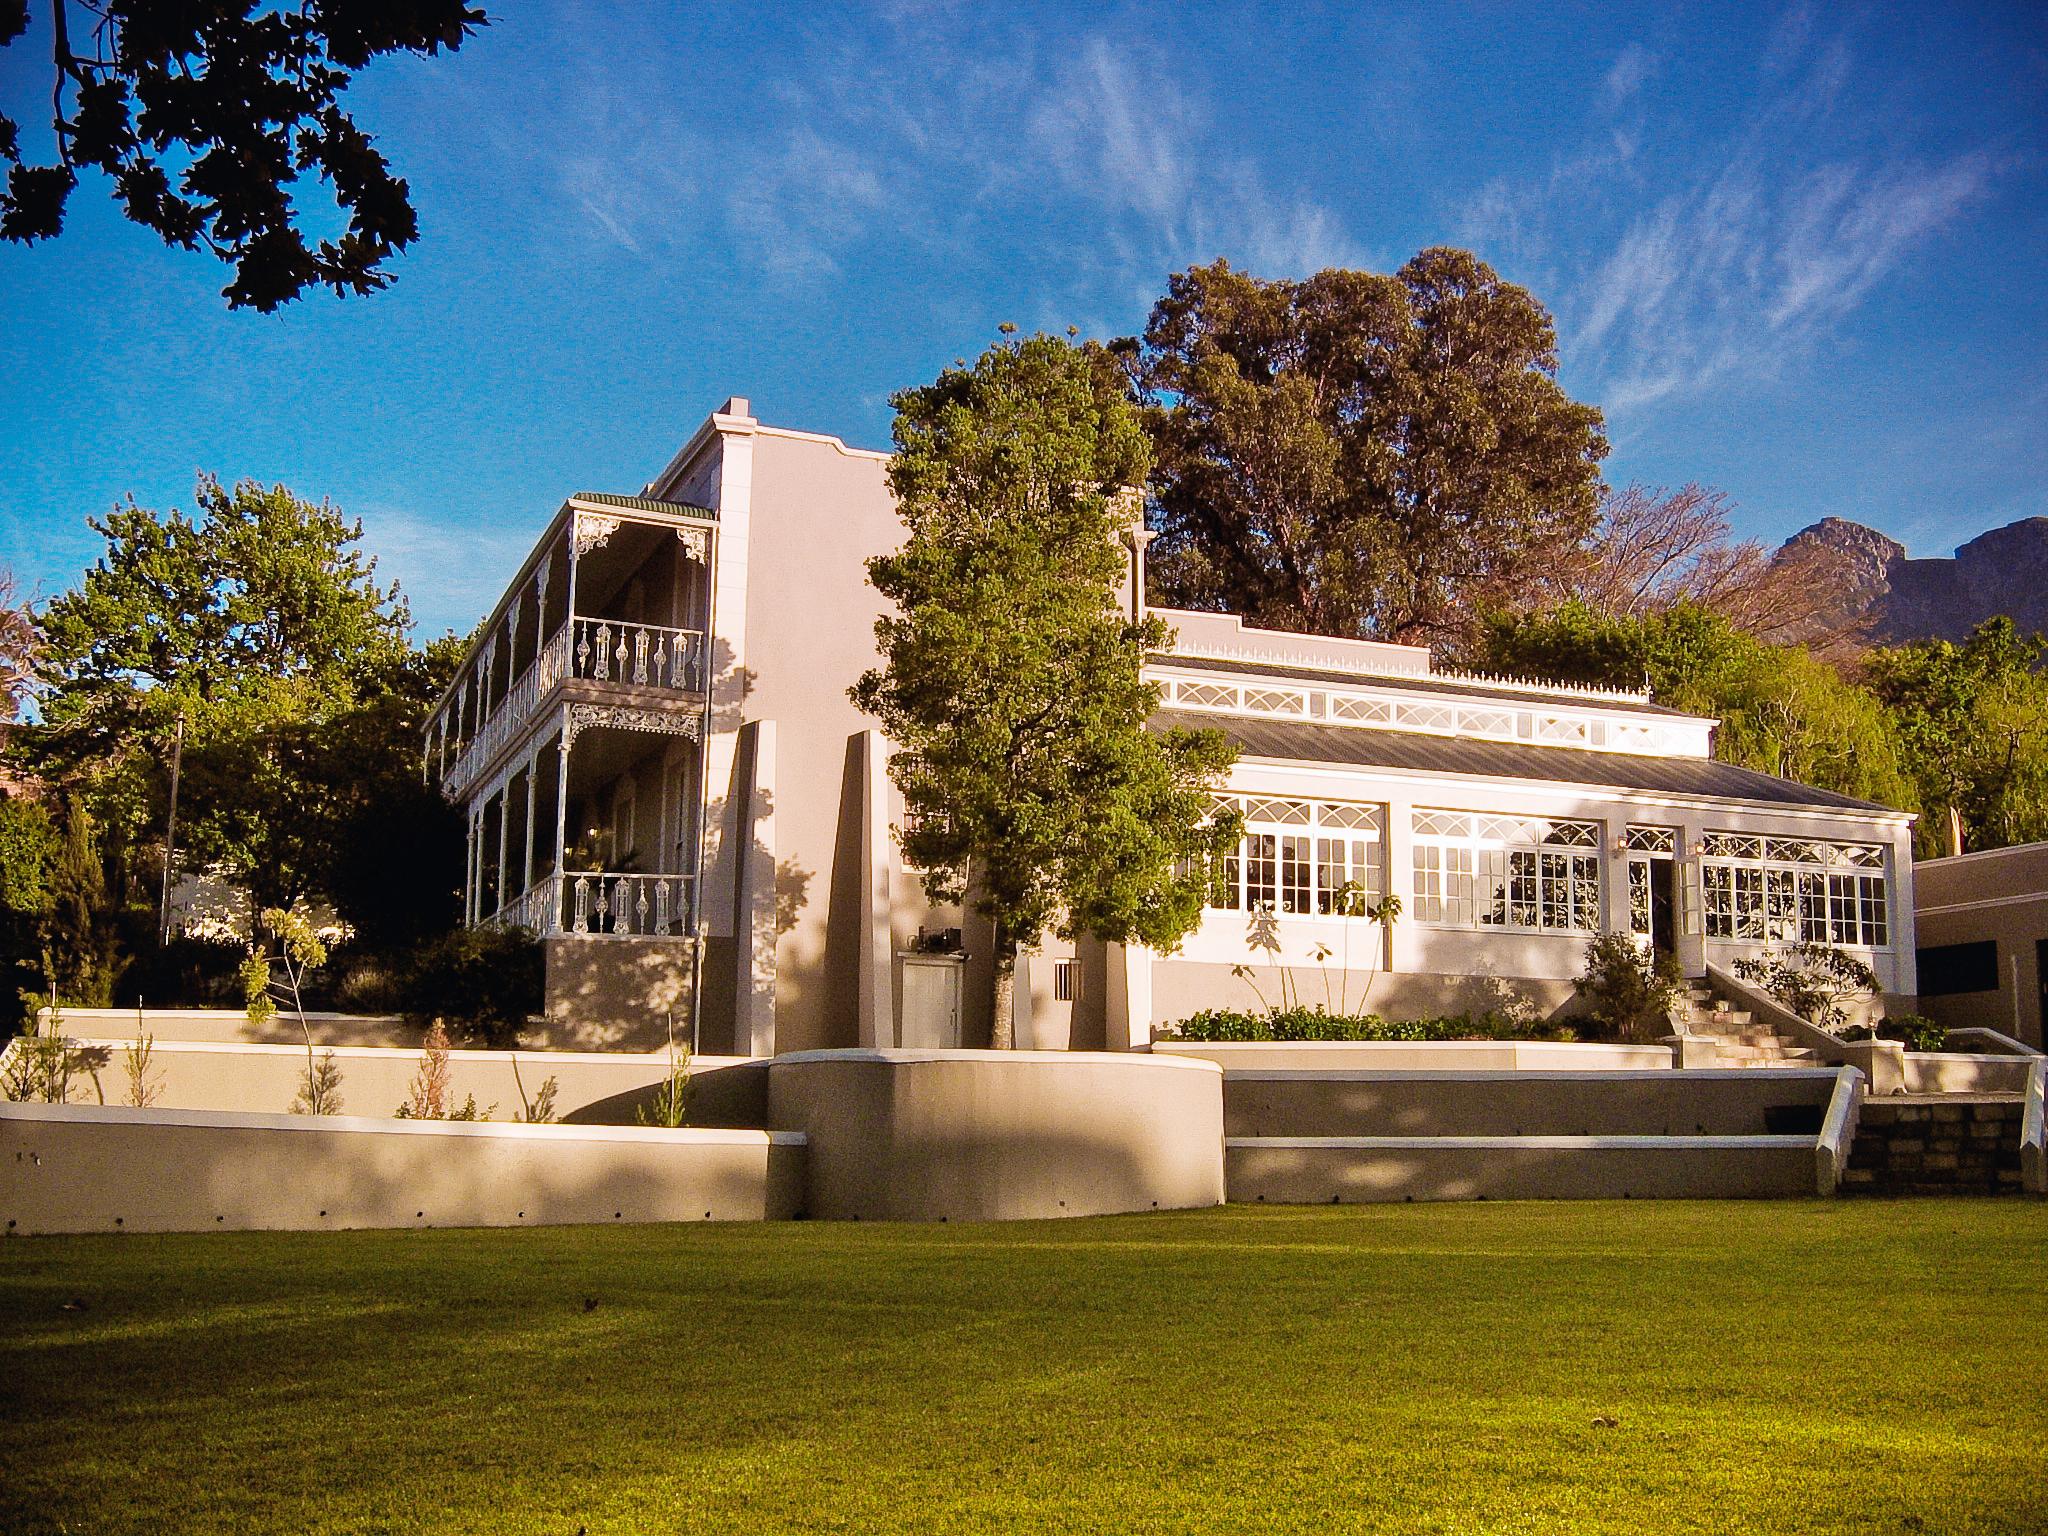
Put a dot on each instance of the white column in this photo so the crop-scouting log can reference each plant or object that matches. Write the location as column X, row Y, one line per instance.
column 526, row 869
column 1898, row 892
column 1404, row 940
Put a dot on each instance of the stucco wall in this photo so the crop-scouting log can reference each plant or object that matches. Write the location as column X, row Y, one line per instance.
column 1407, row 1056
column 1557, row 1168
column 264, row 1079
column 67, row 1168
column 610, row 994
column 1184, row 987
column 973, row 1135
column 2001, row 895
column 1734, row 1102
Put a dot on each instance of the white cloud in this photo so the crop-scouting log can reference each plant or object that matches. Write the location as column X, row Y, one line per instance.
column 451, row 569
column 1633, row 66
column 1748, row 255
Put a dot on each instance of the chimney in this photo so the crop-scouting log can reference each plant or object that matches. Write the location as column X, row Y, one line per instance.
column 1130, row 503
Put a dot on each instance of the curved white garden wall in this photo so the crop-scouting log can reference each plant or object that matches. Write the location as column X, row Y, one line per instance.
column 77, row 1168
column 995, row 1135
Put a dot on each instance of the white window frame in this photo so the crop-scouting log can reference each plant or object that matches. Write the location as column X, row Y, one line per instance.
column 1291, row 851
column 1782, row 890
column 1478, row 872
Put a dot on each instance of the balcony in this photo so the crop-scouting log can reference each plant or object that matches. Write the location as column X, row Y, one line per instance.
column 604, row 904
column 652, row 657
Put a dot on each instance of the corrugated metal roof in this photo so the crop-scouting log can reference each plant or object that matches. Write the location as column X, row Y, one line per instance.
column 1413, row 751
column 642, row 504
column 1430, row 685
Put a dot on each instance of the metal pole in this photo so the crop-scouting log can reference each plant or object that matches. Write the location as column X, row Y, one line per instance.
column 171, row 832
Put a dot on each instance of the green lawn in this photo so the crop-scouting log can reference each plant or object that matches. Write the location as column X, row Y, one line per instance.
column 1842, row 1366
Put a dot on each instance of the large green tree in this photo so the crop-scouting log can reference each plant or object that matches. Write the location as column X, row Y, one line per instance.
column 1973, row 719
column 1781, row 709
column 1358, row 454
column 259, row 628
column 1011, row 671
column 204, row 115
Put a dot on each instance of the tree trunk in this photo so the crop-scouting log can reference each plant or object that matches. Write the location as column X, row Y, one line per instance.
column 1955, row 828
column 1002, row 1032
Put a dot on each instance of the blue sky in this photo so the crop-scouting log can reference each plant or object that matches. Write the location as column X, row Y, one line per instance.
column 1795, row 252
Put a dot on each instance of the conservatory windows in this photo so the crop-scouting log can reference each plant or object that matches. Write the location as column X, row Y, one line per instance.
column 1478, row 871
column 1302, row 856
column 1788, row 890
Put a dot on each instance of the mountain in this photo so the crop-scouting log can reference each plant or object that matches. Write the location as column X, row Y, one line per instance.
column 1891, row 598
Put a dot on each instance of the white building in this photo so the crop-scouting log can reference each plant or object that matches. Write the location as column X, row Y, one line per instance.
column 664, row 776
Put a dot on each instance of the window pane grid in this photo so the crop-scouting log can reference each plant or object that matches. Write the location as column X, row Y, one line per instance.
column 1779, row 889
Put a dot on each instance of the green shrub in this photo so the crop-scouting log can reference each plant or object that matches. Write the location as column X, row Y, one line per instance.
column 1213, row 1025
column 1919, row 1032
column 1628, row 994
column 482, row 983
column 1812, row 980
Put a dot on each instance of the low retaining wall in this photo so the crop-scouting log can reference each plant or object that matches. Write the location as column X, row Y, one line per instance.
column 231, row 1026
column 1965, row 1072
column 264, row 1079
column 1420, row 1056
column 1341, row 1170
column 1714, row 1102
column 997, row 1135
column 77, row 1168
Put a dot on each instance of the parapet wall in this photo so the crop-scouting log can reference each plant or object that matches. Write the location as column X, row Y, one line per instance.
column 78, row 1168
column 999, row 1135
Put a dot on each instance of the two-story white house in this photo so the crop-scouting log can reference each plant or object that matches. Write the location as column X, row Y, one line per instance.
column 665, row 779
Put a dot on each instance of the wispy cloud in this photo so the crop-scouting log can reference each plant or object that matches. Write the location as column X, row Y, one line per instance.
column 1754, row 253
column 948, row 127
column 1632, row 66
column 451, row 569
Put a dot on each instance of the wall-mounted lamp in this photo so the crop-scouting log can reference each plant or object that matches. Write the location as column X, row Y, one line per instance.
column 1699, row 848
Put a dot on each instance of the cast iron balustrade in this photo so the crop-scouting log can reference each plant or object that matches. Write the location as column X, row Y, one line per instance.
column 605, row 903
column 591, row 650
column 638, row 655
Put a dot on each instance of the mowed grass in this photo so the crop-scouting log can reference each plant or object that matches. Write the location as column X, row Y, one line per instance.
column 1847, row 1366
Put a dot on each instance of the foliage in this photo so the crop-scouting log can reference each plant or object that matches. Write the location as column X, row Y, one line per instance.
column 1781, row 710
column 1628, row 993
column 1297, row 1023
column 29, row 846
column 1815, row 981
column 44, row 1064
column 1655, row 550
column 204, row 116
column 669, row 1106
column 1973, row 720
column 483, row 983
column 1357, row 454
column 1011, row 675
column 540, row 1109
column 429, row 1088
column 431, row 1097
column 188, row 972
column 319, row 1086
column 1919, row 1032
column 262, row 626
column 145, row 1081
column 1262, row 934
column 20, row 645
column 80, row 939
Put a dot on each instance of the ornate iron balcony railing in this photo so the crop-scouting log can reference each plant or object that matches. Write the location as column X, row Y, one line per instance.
column 607, row 904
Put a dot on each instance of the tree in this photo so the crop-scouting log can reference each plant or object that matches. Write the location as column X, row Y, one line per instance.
column 1781, row 710
column 1357, row 454
column 262, row 626
column 236, row 102
column 19, row 645
column 1011, row 674
column 29, row 845
column 80, row 939
column 1973, row 719
column 1654, row 550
